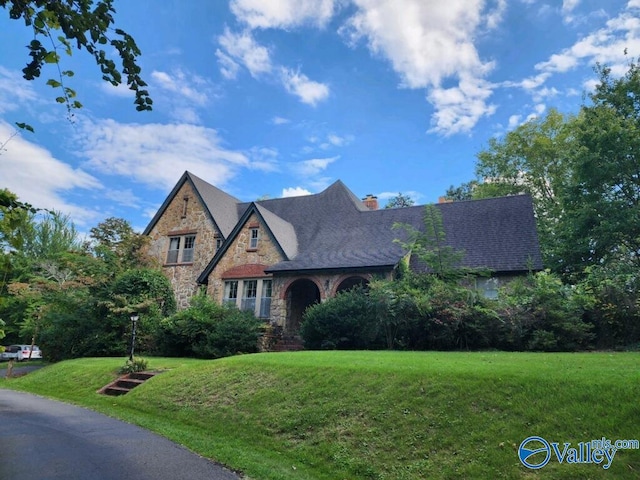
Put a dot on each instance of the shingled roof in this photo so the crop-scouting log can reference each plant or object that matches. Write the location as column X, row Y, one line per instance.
column 335, row 230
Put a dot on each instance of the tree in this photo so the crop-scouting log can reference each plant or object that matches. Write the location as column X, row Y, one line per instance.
column 117, row 243
column 536, row 158
column 464, row 191
column 429, row 246
column 604, row 198
column 400, row 201
column 58, row 25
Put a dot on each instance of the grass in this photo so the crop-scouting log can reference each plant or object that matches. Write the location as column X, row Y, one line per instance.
column 373, row 415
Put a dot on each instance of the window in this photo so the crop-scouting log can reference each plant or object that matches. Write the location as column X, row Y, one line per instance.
column 252, row 295
column 253, row 238
column 488, row 287
column 265, row 300
column 181, row 249
column 187, row 251
column 231, row 292
column 249, row 294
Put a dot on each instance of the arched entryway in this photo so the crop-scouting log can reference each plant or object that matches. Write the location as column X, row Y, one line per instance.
column 351, row 282
column 300, row 295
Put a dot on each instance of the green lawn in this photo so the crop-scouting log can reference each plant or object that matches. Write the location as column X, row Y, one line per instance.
column 378, row 415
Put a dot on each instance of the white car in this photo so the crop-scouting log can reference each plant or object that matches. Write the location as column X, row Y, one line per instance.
column 21, row 352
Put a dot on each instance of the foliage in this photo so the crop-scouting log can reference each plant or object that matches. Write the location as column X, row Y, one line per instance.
column 137, row 365
column 208, row 330
column 542, row 313
column 464, row 191
column 615, row 287
column 429, row 246
column 536, row 158
column 400, row 201
column 115, row 241
column 86, row 24
column 605, row 184
column 345, row 322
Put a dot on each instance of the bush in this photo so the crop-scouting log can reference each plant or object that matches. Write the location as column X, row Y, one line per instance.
column 208, row 330
column 345, row 322
column 542, row 313
column 137, row 365
column 616, row 310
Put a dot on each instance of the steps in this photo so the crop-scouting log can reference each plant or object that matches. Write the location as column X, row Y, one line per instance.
column 289, row 343
column 126, row 383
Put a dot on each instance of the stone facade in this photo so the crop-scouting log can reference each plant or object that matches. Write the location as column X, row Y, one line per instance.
column 185, row 215
column 240, row 253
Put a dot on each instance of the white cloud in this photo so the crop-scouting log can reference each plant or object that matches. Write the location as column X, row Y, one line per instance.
column 568, row 6
column 428, row 43
column 157, row 154
column 243, row 49
column 263, row 158
column 122, row 90
column 188, row 86
column 459, row 108
column 14, row 90
column 280, row 120
column 182, row 92
column 295, row 192
column 309, row 168
column 308, row 91
column 283, row 13
column 37, row 177
column 425, row 42
column 606, row 46
column 228, row 67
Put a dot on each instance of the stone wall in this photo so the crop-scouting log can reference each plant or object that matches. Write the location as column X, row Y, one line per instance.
column 176, row 220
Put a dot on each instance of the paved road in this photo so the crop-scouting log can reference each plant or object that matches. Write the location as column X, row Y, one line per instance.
column 43, row 439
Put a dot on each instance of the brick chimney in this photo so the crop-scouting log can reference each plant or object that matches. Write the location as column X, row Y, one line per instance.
column 371, row 202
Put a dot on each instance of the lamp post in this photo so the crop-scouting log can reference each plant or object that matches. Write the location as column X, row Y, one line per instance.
column 134, row 320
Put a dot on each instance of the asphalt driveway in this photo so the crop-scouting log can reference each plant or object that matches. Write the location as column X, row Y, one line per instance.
column 43, row 439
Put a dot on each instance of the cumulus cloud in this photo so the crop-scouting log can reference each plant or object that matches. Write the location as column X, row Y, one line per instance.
column 295, row 192
column 157, row 154
column 606, row 45
column 243, row 49
column 315, row 166
column 37, row 177
column 427, row 43
column 308, row 91
column 458, row 109
column 283, row 13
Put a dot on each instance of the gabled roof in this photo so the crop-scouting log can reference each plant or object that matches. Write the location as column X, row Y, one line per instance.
column 219, row 205
column 498, row 234
column 335, row 230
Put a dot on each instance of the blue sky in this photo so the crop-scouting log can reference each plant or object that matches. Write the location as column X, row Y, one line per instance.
column 284, row 97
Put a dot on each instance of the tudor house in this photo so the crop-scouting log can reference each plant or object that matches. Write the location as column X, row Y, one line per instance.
column 278, row 256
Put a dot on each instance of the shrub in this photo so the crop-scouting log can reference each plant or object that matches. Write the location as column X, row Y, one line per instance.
column 137, row 365
column 208, row 330
column 345, row 322
column 542, row 313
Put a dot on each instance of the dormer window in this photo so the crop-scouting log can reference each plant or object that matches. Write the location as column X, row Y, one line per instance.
column 253, row 238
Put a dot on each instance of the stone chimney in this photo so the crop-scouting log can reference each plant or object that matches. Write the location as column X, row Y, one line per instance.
column 371, row 202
